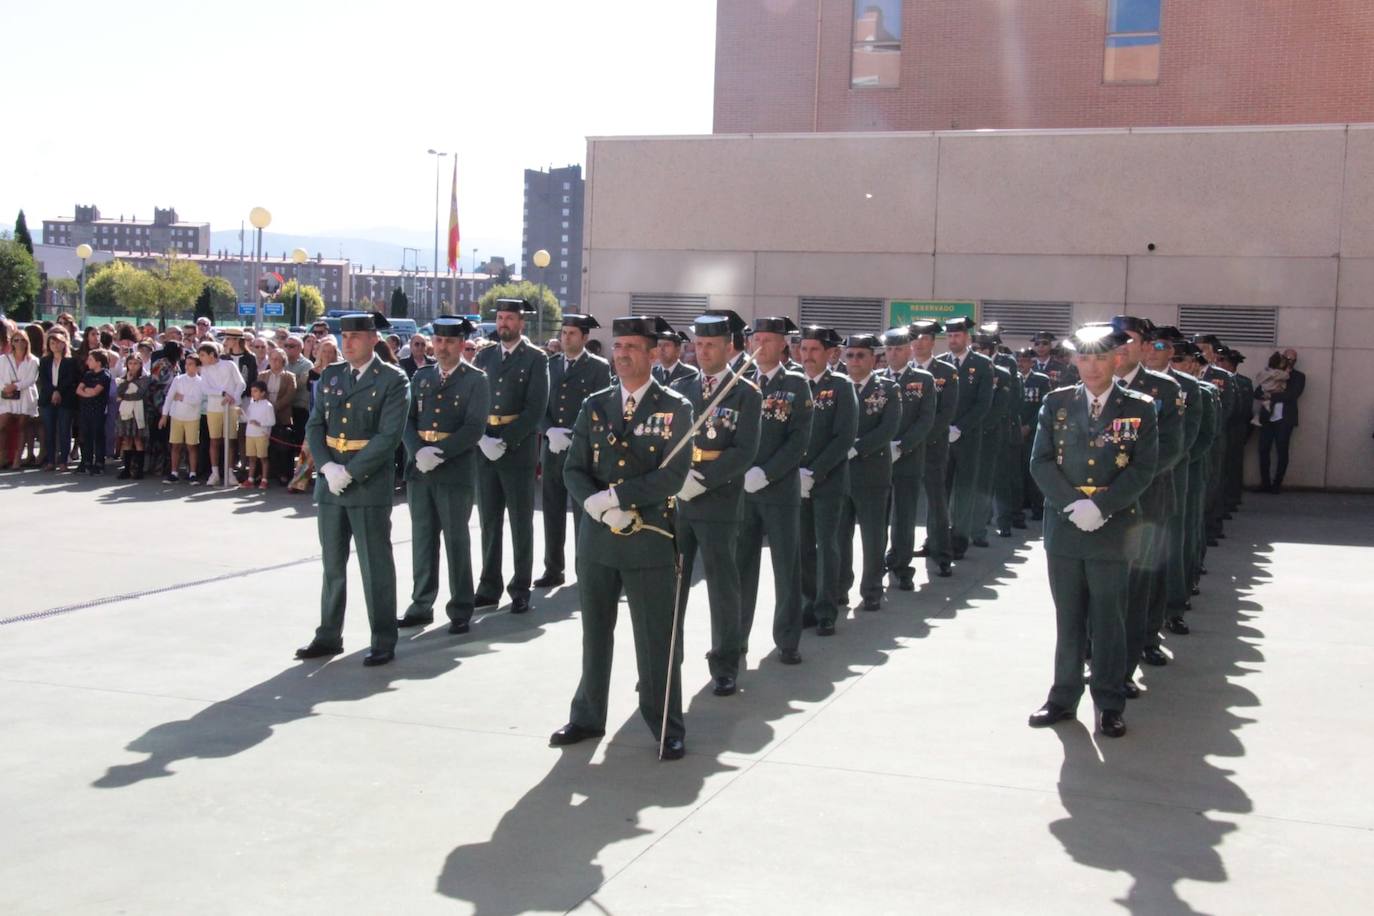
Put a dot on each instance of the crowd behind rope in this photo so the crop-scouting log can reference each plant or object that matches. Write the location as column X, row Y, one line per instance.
column 163, row 402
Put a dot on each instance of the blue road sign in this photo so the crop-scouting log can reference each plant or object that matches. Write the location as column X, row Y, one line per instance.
column 274, row 309
column 247, row 310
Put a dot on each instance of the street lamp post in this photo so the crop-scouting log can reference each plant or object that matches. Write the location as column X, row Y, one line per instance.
column 83, row 251
column 437, row 156
column 541, row 260
column 260, row 219
column 474, row 260
column 300, row 256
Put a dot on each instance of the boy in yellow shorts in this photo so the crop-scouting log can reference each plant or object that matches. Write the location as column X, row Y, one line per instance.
column 261, row 416
column 223, row 387
column 181, row 409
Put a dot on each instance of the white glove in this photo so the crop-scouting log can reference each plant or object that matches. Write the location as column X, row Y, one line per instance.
column 755, row 479
column 954, row 434
column 492, row 447
column 336, row 476
column 896, row 450
column 428, row 458
column 1085, row 514
column 599, row 503
column 808, row 480
column 617, row 519
column 853, row 453
column 692, row 487
column 559, row 439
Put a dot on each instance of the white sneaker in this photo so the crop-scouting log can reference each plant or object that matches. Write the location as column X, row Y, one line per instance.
column 214, row 480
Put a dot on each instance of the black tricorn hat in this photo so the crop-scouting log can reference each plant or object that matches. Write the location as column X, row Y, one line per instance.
column 736, row 323
column 868, row 341
column 826, row 336
column 651, row 327
column 1095, row 338
column 1043, row 337
column 897, row 337
column 714, row 326
column 519, row 306
column 1141, row 326
column 959, row 324
column 363, row 321
column 582, row 322
column 450, row 326
column 775, row 325
column 927, row 326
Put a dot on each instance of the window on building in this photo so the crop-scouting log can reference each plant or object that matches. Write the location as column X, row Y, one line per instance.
column 567, row 198
column 565, row 211
column 876, row 61
column 563, row 251
column 567, row 185
column 563, row 290
column 1132, row 54
column 565, row 238
column 565, row 224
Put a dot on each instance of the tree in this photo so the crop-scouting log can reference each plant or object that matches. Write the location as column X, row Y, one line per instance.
column 312, row 301
column 217, row 295
column 136, row 291
column 19, row 281
column 21, row 232
column 530, row 292
column 504, row 275
column 178, row 283
column 67, row 288
column 101, row 281
column 400, row 305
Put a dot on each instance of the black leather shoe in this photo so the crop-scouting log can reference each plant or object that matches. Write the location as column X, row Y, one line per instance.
column 789, row 657
column 1132, row 690
column 520, row 605
column 723, row 686
column 1176, row 626
column 573, row 733
column 873, row 604
column 979, row 542
column 407, row 621
column 906, row 584
column 674, row 749
column 549, row 580
column 377, row 657
column 1049, row 714
column 1109, row 723
column 459, row 627
column 944, row 571
column 1195, row 591
column 315, row 650
column 825, row 629
column 1005, row 532
column 1202, row 570
column 923, row 552
column 486, row 601
column 1153, row 655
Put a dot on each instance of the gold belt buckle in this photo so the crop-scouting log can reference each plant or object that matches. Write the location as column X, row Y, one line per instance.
column 696, row 455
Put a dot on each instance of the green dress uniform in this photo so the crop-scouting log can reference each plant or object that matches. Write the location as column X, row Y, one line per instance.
column 870, row 488
column 1007, row 497
column 569, row 385
column 1201, row 468
column 919, row 400
column 1060, row 373
column 1177, row 561
column 993, row 443
column 357, row 421
column 775, row 511
column 723, row 449
column 1148, row 583
column 669, row 377
column 1111, row 461
column 961, row 481
column 1225, row 384
column 519, row 385
column 938, row 547
column 448, row 413
column 1034, row 387
column 1239, row 432
column 834, row 418
column 609, row 451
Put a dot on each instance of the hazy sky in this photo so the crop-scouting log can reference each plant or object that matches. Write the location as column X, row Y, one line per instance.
column 322, row 112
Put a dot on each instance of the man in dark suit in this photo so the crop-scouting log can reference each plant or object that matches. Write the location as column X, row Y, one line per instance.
column 417, row 358
column 574, row 374
column 1096, row 447
column 518, row 375
column 616, row 470
column 1275, row 435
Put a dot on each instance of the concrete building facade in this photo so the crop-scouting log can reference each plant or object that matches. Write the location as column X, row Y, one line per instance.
column 165, row 232
column 1265, row 236
column 553, row 221
column 890, row 65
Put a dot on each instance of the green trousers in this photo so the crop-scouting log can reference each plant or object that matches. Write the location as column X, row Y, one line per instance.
column 867, row 508
column 906, row 496
column 1197, row 532
column 554, row 496
column 781, row 524
column 1176, row 559
column 962, row 482
column 1146, row 584
column 440, row 510
column 369, row 529
column 1008, row 488
column 1089, row 596
column 820, row 558
column 649, row 592
column 938, row 547
column 989, row 451
column 505, row 489
column 716, row 543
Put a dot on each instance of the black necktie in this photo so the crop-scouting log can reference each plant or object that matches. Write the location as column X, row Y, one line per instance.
column 815, row 386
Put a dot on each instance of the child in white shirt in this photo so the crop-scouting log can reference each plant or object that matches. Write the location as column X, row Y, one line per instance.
column 183, row 406
column 261, row 416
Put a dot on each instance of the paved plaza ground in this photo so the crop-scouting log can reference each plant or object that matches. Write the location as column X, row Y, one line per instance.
column 162, row 753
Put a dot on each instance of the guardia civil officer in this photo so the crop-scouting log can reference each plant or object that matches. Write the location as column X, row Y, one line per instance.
column 992, row 433
column 354, row 430
column 517, row 372
column 938, row 547
column 1059, row 372
column 870, row 470
column 1238, row 428
column 1034, row 386
column 772, row 490
column 1007, row 496
column 670, row 367
column 917, row 389
column 824, row 477
column 1188, row 361
column 573, row 375
column 449, row 404
column 1096, row 445
column 1148, row 583
column 965, row 440
column 736, row 356
column 616, row 470
column 1225, row 384
column 708, row 504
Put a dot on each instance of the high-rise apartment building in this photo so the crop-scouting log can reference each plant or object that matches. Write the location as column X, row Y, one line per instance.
column 163, row 233
column 553, row 222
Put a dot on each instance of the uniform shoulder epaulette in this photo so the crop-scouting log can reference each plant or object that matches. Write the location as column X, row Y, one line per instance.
column 676, row 395
column 1062, row 391
column 1137, row 396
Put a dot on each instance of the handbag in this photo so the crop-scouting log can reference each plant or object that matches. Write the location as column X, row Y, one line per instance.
column 15, row 370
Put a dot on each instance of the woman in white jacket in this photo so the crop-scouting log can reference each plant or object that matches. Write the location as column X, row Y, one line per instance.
column 18, row 398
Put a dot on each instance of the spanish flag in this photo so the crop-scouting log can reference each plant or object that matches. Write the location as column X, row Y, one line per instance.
column 453, row 221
